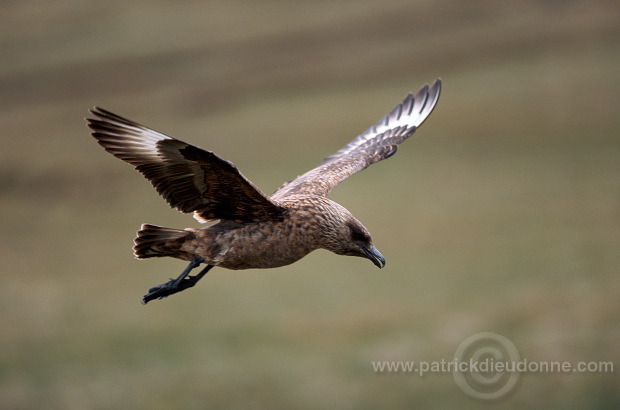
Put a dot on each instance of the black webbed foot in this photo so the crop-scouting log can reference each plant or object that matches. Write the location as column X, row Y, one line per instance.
column 184, row 281
column 169, row 288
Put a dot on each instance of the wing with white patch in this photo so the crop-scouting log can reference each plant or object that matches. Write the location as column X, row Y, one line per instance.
column 189, row 178
column 375, row 144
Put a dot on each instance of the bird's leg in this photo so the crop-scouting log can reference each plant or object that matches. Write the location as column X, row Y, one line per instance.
column 182, row 282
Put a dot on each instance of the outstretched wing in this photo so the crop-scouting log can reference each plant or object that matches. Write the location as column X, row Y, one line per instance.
column 375, row 144
column 189, row 178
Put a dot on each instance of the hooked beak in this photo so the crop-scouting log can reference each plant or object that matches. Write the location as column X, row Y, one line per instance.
column 375, row 256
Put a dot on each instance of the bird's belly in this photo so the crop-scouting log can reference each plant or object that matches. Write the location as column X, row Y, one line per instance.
column 260, row 246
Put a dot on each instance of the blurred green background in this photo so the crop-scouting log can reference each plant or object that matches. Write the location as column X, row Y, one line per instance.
column 501, row 215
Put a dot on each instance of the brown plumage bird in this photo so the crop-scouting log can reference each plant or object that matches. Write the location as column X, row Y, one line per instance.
column 254, row 230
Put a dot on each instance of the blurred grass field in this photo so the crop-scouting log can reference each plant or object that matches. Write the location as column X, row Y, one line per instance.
column 501, row 214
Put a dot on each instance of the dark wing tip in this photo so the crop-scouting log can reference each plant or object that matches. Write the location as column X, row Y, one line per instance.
column 109, row 117
column 434, row 92
column 424, row 101
column 100, row 112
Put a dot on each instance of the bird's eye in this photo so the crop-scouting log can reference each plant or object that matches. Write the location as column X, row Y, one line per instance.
column 357, row 235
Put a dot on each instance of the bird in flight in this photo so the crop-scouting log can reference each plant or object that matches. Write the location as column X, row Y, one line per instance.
column 254, row 230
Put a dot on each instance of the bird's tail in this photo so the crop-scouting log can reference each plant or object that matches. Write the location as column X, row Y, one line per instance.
column 156, row 241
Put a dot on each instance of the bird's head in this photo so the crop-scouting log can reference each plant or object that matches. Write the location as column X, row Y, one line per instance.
column 347, row 236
